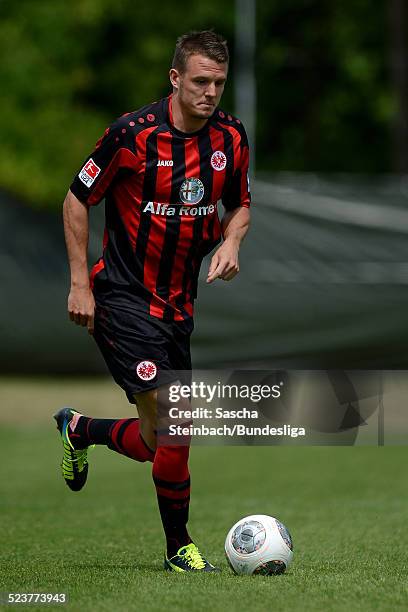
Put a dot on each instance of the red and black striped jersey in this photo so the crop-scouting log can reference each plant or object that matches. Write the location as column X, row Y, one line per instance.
column 161, row 188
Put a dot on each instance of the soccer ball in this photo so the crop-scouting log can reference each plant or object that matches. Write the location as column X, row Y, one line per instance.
column 259, row 544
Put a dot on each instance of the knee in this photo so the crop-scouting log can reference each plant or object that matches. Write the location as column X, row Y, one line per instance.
column 147, row 400
column 148, row 431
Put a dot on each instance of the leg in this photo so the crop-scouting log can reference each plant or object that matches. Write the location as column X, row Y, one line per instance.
column 121, row 435
column 170, row 473
column 172, row 481
column 78, row 432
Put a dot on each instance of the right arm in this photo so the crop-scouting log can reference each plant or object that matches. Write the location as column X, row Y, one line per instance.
column 115, row 150
column 81, row 303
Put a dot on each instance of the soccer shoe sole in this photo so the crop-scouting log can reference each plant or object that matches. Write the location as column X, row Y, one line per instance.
column 169, row 567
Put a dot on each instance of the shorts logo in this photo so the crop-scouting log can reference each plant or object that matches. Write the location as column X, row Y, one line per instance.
column 146, row 370
column 89, row 172
column 191, row 191
column 218, row 160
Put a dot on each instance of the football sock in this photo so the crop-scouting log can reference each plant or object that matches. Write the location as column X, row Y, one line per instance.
column 172, row 481
column 120, row 435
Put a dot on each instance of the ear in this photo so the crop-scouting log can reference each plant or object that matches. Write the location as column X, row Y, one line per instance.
column 174, row 78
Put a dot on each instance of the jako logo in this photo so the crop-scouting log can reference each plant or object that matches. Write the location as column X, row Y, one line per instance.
column 165, row 162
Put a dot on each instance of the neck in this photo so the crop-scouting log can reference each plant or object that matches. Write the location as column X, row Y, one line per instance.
column 182, row 120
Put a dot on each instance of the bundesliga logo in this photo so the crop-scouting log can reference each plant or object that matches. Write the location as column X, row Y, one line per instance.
column 89, row 172
column 146, row 370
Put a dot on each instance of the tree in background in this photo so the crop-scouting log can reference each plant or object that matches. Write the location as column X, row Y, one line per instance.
column 327, row 104
column 69, row 68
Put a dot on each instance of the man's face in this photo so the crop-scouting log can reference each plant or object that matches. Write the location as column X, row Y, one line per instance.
column 200, row 87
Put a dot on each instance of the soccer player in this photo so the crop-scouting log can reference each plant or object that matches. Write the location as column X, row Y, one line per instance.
column 161, row 170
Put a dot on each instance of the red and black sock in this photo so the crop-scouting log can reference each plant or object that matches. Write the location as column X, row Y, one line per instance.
column 172, row 480
column 120, row 435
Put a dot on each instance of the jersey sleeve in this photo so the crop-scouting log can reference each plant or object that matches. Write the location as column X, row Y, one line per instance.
column 114, row 151
column 237, row 190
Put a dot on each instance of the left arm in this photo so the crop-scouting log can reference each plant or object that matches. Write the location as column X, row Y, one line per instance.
column 224, row 263
column 236, row 199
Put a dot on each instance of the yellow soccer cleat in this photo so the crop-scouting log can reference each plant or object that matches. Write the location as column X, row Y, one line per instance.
column 188, row 559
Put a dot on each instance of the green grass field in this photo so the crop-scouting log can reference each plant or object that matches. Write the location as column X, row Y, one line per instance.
column 346, row 509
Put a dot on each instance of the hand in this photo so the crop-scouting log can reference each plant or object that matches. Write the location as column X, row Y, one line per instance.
column 81, row 307
column 224, row 263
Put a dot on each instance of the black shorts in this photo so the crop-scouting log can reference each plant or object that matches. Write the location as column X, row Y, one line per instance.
column 142, row 352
